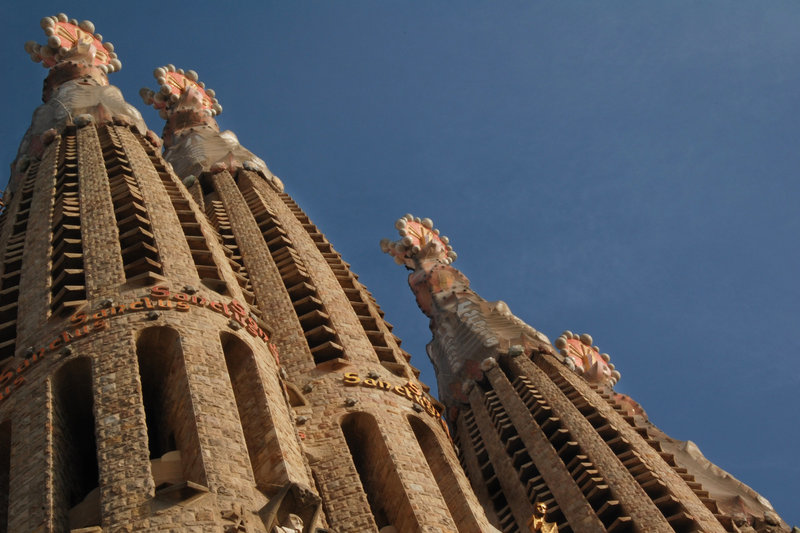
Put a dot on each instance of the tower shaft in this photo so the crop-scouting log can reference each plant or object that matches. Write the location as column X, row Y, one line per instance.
column 542, row 434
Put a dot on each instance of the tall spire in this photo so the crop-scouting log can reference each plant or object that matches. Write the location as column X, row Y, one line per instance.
column 76, row 91
column 72, row 51
column 65, row 35
column 336, row 351
column 543, row 426
column 192, row 140
column 466, row 328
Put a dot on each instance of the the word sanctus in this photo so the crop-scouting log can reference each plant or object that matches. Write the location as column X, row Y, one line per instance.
column 159, row 299
column 409, row 390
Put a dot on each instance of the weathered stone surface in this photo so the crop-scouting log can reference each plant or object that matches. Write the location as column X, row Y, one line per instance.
column 539, row 429
column 179, row 386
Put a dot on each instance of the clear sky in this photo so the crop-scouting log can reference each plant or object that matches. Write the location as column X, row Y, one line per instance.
column 625, row 169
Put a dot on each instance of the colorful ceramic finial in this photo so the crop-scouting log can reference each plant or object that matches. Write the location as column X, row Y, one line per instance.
column 585, row 359
column 193, row 141
column 419, row 240
column 67, row 38
column 176, row 86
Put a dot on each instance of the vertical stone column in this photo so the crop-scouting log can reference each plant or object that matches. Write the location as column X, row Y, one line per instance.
column 176, row 258
column 279, row 314
column 126, row 483
column 427, row 507
column 224, row 454
column 31, row 484
column 343, row 319
column 506, row 473
column 449, row 476
column 34, row 287
column 576, row 509
column 346, row 503
column 101, row 248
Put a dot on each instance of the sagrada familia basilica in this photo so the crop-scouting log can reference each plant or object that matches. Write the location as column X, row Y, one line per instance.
column 182, row 349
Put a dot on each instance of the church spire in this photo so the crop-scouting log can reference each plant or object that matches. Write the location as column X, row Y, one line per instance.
column 542, row 426
column 76, row 91
column 193, row 143
column 466, row 328
column 73, row 50
column 182, row 100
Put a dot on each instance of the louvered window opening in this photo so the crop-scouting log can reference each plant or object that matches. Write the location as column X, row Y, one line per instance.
column 658, row 490
column 68, row 287
column 501, row 508
column 643, row 429
column 319, row 333
column 12, row 267
column 355, row 294
column 140, row 257
column 530, row 477
column 218, row 216
column 202, row 256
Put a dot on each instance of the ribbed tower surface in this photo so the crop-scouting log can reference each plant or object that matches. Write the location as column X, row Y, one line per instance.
column 181, row 349
column 377, row 446
column 544, row 438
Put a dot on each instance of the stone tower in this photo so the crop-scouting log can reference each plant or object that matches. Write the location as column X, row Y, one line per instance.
column 378, row 450
column 180, row 347
column 127, row 343
column 545, row 440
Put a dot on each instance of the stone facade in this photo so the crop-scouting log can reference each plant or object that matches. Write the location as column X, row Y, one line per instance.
column 543, row 436
column 188, row 352
column 182, row 349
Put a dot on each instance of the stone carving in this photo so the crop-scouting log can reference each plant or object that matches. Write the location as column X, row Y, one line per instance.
column 466, row 328
column 291, row 524
column 291, row 505
column 538, row 523
column 192, row 140
column 233, row 520
column 769, row 523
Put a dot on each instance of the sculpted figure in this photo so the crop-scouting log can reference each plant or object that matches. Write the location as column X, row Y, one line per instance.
column 292, row 524
column 290, row 508
column 538, row 523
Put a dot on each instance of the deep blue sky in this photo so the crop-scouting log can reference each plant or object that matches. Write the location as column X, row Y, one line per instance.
column 618, row 168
